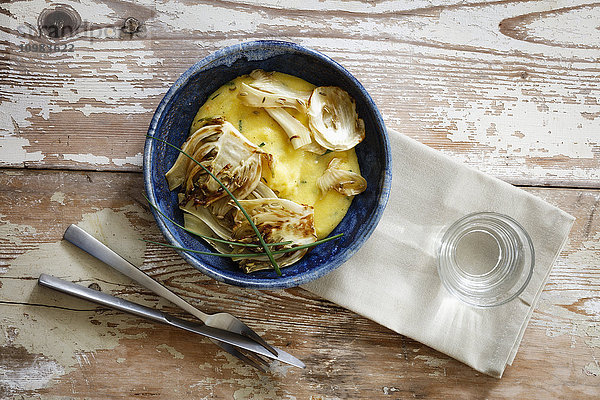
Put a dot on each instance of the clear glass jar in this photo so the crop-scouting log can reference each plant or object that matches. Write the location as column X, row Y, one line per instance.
column 485, row 259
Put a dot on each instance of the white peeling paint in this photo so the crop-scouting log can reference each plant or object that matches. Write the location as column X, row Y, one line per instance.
column 14, row 232
column 136, row 160
column 171, row 350
column 280, row 369
column 592, row 307
column 473, row 29
column 87, row 158
column 592, row 335
column 13, row 152
column 34, row 376
column 592, row 369
column 89, row 109
column 578, row 322
column 179, row 16
column 434, row 362
column 566, row 28
column 64, row 337
column 558, row 130
column 138, row 73
column 58, row 197
column 103, row 76
column 94, row 90
column 390, row 390
column 356, row 6
column 114, row 229
column 92, row 159
column 588, row 254
column 82, row 358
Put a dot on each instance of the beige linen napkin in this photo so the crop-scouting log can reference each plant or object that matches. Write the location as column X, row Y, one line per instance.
column 393, row 278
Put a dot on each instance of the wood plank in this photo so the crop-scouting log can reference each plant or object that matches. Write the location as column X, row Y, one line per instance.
column 54, row 345
column 499, row 84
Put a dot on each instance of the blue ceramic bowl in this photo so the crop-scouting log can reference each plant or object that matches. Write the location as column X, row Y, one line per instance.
column 172, row 122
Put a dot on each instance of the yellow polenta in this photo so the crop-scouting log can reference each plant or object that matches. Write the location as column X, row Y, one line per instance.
column 295, row 172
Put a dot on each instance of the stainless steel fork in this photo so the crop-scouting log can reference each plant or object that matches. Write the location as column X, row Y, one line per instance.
column 225, row 321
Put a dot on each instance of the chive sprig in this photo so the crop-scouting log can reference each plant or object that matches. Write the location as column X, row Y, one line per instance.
column 266, row 246
column 235, row 200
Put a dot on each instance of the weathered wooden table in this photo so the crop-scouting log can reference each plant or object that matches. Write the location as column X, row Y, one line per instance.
column 509, row 87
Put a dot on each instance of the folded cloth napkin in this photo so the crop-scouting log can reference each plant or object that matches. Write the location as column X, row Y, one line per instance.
column 393, row 278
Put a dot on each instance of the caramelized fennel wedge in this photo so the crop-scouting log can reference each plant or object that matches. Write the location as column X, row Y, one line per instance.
column 333, row 119
column 343, row 181
column 278, row 220
column 232, row 158
column 267, row 91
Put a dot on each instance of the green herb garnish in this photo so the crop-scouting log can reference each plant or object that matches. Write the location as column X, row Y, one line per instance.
column 261, row 144
column 163, row 215
column 231, row 255
column 235, row 200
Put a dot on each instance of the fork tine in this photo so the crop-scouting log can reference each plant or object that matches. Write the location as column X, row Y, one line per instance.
column 241, row 356
column 249, row 361
column 254, row 336
column 258, row 358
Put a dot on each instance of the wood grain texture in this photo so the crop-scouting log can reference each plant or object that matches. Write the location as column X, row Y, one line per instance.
column 347, row 355
column 509, row 87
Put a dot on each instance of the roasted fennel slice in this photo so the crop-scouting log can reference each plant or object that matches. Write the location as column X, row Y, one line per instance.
column 278, row 220
column 333, row 119
column 218, row 218
column 266, row 91
column 346, row 182
column 232, row 158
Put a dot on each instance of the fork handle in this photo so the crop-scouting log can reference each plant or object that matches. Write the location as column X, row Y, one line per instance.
column 94, row 247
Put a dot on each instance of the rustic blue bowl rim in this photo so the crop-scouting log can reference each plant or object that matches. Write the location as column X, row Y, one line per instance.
column 220, row 57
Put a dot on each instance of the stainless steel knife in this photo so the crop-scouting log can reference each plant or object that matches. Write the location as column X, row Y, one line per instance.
column 105, row 299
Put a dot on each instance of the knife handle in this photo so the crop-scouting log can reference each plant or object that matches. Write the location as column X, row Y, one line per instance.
column 104, row 299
